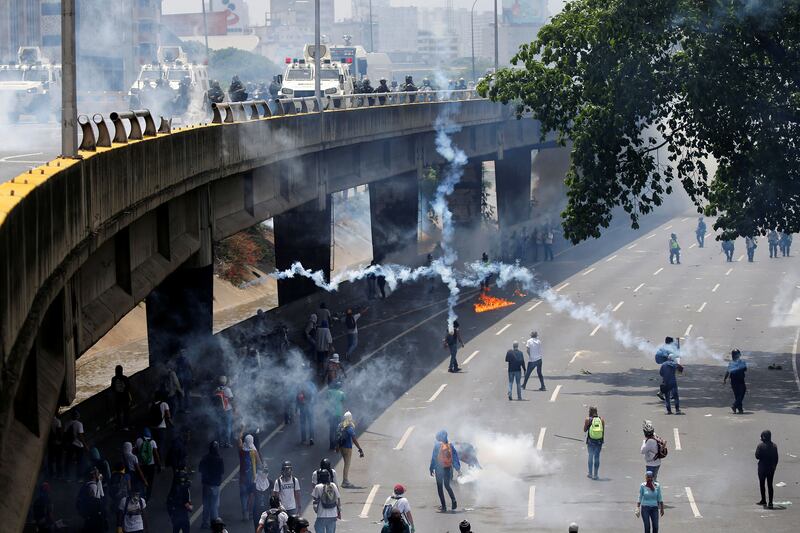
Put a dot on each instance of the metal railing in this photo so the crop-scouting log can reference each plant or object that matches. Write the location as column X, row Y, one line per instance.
column 139, row 124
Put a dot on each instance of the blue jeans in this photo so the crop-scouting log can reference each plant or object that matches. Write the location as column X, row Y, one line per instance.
column 306, row 423
column 701, row 238
column 352, row 342
column 245, row 490
column 650, row 515
column 225, row 429
column 672, row 392
column 534, row 365
column 210, row 503
column 453, row 352
column 325, row 525
column 674, row 254
column 514, row 375
column 594, row 456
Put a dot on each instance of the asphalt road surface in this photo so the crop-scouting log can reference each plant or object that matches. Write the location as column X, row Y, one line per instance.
column 532, row 451
column 25, row 146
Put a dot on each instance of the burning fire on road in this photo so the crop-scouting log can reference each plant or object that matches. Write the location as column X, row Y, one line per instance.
column 489, row 303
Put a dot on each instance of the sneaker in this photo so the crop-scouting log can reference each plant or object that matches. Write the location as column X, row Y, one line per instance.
column 347, row 484
column 542, row 388
column 733, row 408
column 595, row 477
column 741, row 411
column 660, row 396
column 454, row 505
column 669, row 412
column 509, row 397
column 762, row 502
column 443, row 509
column 678, row 411
column 768, row 506
column 589, row 476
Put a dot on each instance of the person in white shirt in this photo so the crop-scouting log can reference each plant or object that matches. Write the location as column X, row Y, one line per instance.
column 287, row 488
column 398, row 502
column 131, row 518
column 76, row 449
column 274, row 514
column 650, row 449
column 534, row 349
column 327, row 503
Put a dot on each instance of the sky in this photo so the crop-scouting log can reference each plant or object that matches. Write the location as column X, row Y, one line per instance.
column 258, row 8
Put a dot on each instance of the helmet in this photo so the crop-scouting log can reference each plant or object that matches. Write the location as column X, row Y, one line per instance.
column 286, row 468
column 647, row 427
column 426, row 81
column 223, row 380
column 383, row 82
column 464, row 527
column 461, row 79
column 409, row 79
column 301, row 523
column 325, row 464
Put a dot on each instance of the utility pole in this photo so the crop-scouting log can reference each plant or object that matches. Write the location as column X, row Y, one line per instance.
column 317, row 59
column 371, row 40
column 496, row 45
column 472, row 32
column 205, row 29
column 69, row 102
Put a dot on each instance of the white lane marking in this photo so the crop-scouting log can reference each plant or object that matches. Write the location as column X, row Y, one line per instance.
column 677, row 438
column 650, row 237
column 534, row 306
column 692, row 503
column 740, row 258
column 503, row 329
column 616, row 307
column 564, row 286
column 632, row 246
column 437, row 393
column 688, row 330
column 8, row 159
column 555, row 393
column 468, row 359
column 588, row 271
column 611, row 258
column 540, row 440
column 707, row 234
column 531, row 502
column 658, row 271
column 575, row 356
column 404, row 438
column 668, row 227
column 684, row 219
column 700, row 309
column 595, row 330
column 693, row 245
column 639, row 287
column 794, row 359
column 368, row 503
column 729, row 271
column 235, row 471
column 715, row 288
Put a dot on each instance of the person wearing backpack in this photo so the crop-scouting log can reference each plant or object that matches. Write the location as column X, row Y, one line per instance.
column 395, row 523
column 131, row 517
column 324, row 464
column 273, row 520
column 91, row 503
column 327, row 504
column 334, row 370
column 149, row 459
column 398, row 502
column 654, row 448
column 179, row 502
column 134, row 469
column 444, row 459
column 594, row 426
column 160, row 417
column 121, row 391
column 345, row 439
column 287, row 488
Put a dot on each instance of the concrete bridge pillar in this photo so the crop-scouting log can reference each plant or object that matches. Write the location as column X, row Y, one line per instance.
column 180, row 311
column 303, row 234
column 465, row 204
column 513, row 178
column 394, row 211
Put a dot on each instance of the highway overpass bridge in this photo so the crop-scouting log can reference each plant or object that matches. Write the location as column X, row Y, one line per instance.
column 83, row 241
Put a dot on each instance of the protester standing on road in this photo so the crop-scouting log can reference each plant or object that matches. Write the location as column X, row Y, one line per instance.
column 334, row 410
column 650, row 504
column 334, row 370
column 323, row 313
column 131, row 517
column 700, row 232
column 327, row 503
column 179, row 502
column 451, row 342
column 750, row 245
column 547, row 239
column 772, row 241
column 381, row 280
column 668, row 372
column 595, row 428
column 211, row 471
column 767, row 456
column 324, row 345
column 728, row 248
column 324, row 464
column 121, row 391
column 249, row 462
column 223, row 403
column 395, row 523
column 90, row 503
column 345, row 439
column 138, row 479
column 261, row 495
column 149, row 460
column 75, row 438
column 534, row 348
column 736, row 371
column 398, row 502
column 287, row 488
column 785, row 244
column 310, row 332
column 674, row 249
column 274, row 520
column 516, row 365
column 160, row 417
column 351, row 323
column 652, row 461
column 444, row 459
column 304, row 405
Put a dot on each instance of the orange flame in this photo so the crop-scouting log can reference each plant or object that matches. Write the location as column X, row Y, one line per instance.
column 488, row 303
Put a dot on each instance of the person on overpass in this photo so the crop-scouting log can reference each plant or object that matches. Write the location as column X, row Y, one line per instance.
column 700, row 232
column 122, row 394
column 444, row 459
column 382, row 88
column 736, row 370
column 674, row 249
column 516, row 365
column 534, row 348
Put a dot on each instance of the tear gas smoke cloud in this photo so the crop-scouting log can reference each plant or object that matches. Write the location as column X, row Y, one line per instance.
column 786, row 306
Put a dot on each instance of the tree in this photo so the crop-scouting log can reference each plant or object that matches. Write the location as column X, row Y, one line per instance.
column 648, row 91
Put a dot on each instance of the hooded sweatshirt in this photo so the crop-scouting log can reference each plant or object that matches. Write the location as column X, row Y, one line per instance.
column 767, row 452
column 441, row 438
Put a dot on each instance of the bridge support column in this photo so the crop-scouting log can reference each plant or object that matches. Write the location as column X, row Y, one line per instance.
column 180, row 311
column 394, row 211
column 513, row 178
column 465, row 204
column 303, row 234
